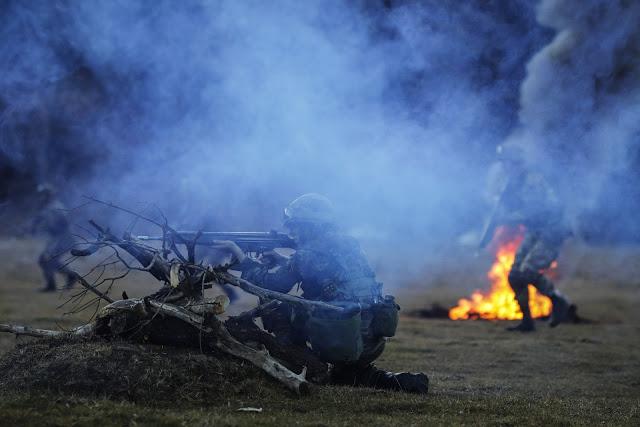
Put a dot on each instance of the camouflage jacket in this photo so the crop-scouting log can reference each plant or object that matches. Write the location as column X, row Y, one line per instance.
column 330, row 268
column 53, row 223
column 52, row 220
column 530, row 201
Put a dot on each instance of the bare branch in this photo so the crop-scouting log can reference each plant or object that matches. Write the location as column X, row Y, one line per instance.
column 270, row 295
column 84, row 330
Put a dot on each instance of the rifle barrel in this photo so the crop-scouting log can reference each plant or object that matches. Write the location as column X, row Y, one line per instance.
column 251, row 240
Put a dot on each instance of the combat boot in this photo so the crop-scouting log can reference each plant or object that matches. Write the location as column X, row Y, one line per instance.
column 527, row 325
column 71, row 281
column 412, row 383
column 560, row 310
column 49, row 286
column 373, row 377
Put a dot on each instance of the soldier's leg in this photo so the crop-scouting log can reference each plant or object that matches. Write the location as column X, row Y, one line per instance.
column 58, row 266
column 559, row 303
column 364, row 373
column 285, row 324
column 519, row 279
column 57, row 247
column 44, row 261
column 540, row 258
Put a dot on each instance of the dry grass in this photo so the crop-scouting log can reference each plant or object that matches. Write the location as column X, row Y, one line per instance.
column 480, row 374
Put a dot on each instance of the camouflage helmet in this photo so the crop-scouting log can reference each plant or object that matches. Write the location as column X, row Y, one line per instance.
column 310, row 207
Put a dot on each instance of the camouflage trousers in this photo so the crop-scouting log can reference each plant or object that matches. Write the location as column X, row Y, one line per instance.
column 535, row 254
column 289, row 326
column 50, row 261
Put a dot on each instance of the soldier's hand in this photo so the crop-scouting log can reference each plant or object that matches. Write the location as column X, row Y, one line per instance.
column 231, row 248
column 272, row 259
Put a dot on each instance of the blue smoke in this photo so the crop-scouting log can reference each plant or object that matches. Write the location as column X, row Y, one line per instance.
column 219, row 113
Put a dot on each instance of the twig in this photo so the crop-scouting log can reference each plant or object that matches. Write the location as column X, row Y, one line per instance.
column 111, row 205
column 90, row 288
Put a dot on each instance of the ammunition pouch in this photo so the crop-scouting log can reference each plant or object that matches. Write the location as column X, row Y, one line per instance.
column 336, row 338
column 385, row 317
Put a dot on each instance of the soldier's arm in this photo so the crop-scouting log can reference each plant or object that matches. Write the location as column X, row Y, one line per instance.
column 281, row 278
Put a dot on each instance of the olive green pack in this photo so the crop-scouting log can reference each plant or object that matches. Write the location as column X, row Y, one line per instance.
column 385, row 317
column 334, row 338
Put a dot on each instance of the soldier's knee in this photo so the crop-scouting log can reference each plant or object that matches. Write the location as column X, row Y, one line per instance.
column 520, row 279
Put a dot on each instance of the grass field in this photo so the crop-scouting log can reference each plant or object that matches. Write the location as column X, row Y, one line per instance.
column 578, row 374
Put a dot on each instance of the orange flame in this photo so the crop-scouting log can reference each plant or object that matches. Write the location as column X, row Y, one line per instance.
column 500, row 302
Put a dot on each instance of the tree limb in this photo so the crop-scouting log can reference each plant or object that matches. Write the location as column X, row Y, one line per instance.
column 270, row 295
column 225, row 342
column 84, row 330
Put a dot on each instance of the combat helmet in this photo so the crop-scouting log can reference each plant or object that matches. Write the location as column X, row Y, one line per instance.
column 310, row 207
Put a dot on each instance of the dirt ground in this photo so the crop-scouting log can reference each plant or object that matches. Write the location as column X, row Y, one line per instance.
column 480, row 374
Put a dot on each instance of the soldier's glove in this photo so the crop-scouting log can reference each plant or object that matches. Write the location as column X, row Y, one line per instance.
column 273, row 259
column 231, row 248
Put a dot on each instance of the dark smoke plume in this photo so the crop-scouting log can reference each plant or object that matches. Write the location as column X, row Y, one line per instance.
column 580, row 115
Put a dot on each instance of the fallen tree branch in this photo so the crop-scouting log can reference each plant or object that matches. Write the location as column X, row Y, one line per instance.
column 225, row 342
column 294, row 357
column 271, row 295
column 180, row 313
column 257, row 311
column 81, row 331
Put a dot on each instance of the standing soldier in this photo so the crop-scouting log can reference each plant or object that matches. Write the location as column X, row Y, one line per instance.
column 52, row 221
column 528, row 200
column 330, row 267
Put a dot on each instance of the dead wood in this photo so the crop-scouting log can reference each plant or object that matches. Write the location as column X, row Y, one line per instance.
column 257, row 311
column 178, row 315
column 294, row 357
column 224, row 341
column 267, row 294
column 80, row 331
column 126, row 317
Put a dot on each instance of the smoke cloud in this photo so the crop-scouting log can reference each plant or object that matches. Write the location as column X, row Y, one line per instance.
column 580, row 115
column 219, row 113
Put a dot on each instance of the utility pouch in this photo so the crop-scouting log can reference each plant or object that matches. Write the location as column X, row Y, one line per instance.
column 335, row 338
column 385, row 317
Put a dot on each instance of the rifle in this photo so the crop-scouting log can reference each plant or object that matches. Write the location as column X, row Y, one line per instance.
column 249, row 241
column 493, row 220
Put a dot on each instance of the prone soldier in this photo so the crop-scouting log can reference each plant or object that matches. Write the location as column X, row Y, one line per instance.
column 329, row 266
column 528, row 200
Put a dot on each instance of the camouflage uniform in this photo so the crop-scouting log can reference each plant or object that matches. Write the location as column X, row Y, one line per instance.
column 53, row 222
column 331, row 269
column 532, row 203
